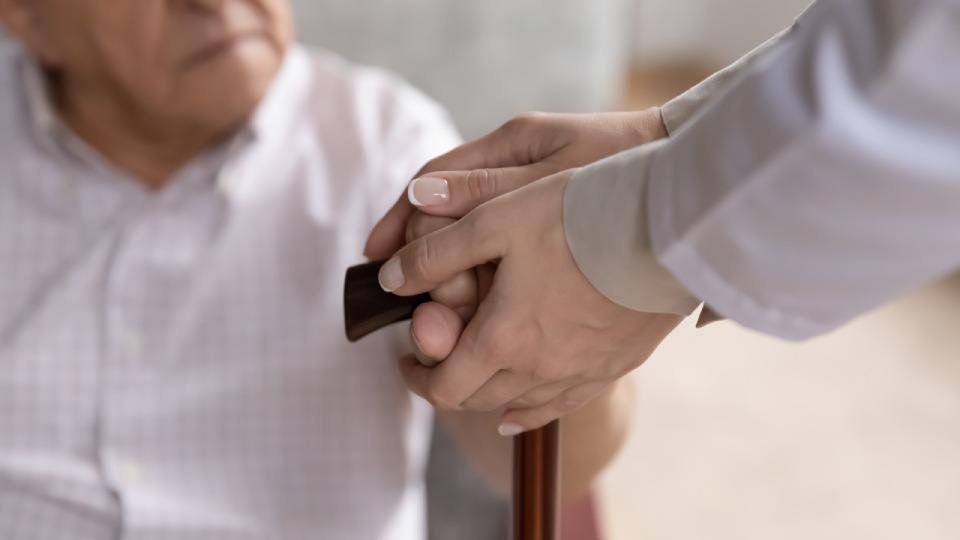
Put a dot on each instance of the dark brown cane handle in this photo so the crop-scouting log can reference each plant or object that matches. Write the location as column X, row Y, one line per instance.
column 367, row 307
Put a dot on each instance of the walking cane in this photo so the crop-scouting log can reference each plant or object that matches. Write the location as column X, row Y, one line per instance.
column 368, row 308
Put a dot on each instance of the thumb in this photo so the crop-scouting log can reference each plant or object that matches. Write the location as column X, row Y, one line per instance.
column 456, row 194
column 497, row 149
column 435, row 330
column 425, row 263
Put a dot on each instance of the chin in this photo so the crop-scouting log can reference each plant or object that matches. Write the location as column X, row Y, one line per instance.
column 228, row 94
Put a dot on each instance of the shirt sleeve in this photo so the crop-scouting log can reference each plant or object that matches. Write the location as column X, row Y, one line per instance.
column 618, row 281
column 824, row 182
column 679, row 110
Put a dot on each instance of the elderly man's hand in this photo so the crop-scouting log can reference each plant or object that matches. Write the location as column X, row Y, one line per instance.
column 543, row 342
column 525, row 149
column 437, row 325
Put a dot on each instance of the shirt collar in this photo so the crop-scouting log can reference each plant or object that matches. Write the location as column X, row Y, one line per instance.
column 278, row 110
column 270, row 125
column 36, row 92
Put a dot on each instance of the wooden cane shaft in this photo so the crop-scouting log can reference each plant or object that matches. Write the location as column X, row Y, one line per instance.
column 536, row 479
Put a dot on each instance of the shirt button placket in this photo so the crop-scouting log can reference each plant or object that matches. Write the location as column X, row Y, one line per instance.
column 124, row 364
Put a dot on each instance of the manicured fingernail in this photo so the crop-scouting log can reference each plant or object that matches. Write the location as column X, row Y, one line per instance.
column 428, row 191
column 510, row 430
column 391, row 275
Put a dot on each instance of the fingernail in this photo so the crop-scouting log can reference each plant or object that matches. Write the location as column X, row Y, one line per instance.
column 510, row 430
column 391, row 275
column 428, row 191
column 421, row 356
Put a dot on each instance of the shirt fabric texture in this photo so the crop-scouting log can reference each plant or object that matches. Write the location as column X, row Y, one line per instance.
column 173, row 365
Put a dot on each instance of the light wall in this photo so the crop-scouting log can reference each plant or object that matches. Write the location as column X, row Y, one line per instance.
column 486, row 60
column 715, row 32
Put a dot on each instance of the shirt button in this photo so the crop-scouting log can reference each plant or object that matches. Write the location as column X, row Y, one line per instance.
column 130, row 471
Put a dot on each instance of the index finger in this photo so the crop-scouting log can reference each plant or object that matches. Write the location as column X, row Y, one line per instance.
column 495, row 150
column 427, row 262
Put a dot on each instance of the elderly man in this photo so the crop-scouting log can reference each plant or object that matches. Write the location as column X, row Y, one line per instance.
column 181, row 190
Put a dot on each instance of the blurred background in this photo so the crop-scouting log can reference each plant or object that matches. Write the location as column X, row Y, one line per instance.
column 736, row 436
column 487, row 61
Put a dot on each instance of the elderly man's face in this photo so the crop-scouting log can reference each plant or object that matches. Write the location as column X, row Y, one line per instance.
column 205, row 61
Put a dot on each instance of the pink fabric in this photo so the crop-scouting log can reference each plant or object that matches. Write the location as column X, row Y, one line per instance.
column 578, row 520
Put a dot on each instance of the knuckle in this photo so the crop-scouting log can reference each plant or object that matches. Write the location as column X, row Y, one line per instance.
column 440, row 400
column 479, row 405
column 422, row 260
column 522, row 402
column 547, row 372
column 500, row 352
column 532, row 117
column 498, row 355
column 481, row 184
column 513, row 125
column 567, row 402
column 523, row 122
column 457, row 292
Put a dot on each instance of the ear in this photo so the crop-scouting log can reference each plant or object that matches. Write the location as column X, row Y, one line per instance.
column 20, row 18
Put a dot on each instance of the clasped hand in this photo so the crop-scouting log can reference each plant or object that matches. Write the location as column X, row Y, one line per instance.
column 514, row 323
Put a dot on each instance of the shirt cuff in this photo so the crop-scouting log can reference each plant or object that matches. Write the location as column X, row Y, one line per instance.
column 606, row 227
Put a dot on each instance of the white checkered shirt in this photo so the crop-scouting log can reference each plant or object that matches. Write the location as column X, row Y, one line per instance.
column 172, row 364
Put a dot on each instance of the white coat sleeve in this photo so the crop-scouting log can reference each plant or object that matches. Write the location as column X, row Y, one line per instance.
column 823, row 183
column 682, row 108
